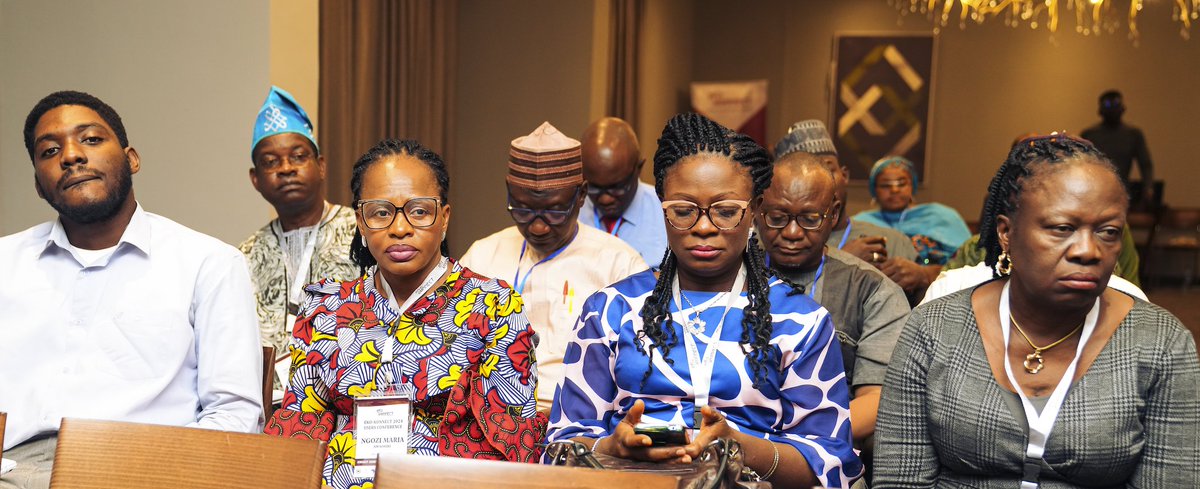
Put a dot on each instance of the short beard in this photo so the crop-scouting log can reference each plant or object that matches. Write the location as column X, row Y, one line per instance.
column 103, row 210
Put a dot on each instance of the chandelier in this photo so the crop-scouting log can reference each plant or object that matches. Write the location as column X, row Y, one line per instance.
column 1092, row 17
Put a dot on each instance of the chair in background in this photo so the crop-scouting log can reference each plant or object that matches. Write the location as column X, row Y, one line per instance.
column 396, row 471
column 110, row 454
column 268, row 365
column 1142, row 225
column 3, row 419
column 1177, row 234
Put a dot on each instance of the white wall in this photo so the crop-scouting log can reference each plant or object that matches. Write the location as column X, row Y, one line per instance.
column 186, row 77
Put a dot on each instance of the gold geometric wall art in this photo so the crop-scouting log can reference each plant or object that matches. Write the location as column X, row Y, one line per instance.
column 881, row 99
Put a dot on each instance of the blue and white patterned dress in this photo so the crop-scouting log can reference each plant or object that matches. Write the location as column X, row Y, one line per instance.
column 804, row 403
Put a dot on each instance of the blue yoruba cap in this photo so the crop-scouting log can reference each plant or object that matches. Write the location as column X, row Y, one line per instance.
column 281, row 114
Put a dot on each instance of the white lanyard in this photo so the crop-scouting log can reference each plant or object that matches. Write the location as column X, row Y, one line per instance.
column 296, row 288
column 387, row 355
column 701, row 369
column 1041, row 424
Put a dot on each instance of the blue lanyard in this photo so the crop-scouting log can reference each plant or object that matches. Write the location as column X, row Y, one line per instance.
column 812, row 288
column 517, row 278
column 600, row 225
column 845, row 234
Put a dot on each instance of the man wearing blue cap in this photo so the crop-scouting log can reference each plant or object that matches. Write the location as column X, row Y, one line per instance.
column 310, row 240
column 112, row 312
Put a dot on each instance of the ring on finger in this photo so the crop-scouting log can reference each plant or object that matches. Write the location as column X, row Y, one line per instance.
column 874, row 256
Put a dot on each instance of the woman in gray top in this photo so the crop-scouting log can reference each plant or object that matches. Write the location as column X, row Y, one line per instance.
column 1043, row 377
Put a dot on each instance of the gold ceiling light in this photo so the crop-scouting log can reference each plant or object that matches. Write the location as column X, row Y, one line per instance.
column 1092, row 17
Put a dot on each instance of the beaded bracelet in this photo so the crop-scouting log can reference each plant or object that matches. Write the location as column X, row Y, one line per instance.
column 774, row 462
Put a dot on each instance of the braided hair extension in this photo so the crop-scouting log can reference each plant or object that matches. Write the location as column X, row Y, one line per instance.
column 1029, row 158
column 359, row 254
column 686, row 135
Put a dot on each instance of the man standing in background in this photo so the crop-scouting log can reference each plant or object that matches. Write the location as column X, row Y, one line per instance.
column 1122, row 143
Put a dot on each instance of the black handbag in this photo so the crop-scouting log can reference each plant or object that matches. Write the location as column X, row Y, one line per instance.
column 720, row 466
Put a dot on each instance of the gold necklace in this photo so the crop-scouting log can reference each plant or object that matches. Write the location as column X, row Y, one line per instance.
column 1037, row 350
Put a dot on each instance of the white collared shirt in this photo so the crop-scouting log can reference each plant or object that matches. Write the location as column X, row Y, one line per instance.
column 161, row 331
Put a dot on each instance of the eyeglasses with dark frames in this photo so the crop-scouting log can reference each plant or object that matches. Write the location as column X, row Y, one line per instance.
column 724, row 214
column 297, row 159
column 420, row 212
column 619, row 190
column 776, row 219
column 525, row 215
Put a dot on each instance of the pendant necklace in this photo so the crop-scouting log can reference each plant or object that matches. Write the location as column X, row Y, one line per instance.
column 1033, row 361
column 696, row 326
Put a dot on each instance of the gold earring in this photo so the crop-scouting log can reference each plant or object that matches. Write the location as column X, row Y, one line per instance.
column 1004, row 264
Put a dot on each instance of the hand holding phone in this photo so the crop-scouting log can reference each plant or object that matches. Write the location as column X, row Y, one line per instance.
column 663, row 435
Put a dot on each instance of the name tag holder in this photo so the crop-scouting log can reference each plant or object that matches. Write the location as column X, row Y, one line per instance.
column 382, row 424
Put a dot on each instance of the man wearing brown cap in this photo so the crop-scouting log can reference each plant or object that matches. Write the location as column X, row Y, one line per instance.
column 552, row 261
column 618, row 202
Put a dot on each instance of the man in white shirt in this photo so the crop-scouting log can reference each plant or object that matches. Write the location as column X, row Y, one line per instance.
column 553, row 262
column 111, row 312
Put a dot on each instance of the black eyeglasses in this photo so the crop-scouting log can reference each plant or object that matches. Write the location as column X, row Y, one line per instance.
column 297, row 159
column 724, row 214
column 420, row 212
column 620, row 189
column 524, row 215
column 807, row 220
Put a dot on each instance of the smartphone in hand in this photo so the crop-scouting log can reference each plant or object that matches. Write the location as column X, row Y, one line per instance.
column 663, row 435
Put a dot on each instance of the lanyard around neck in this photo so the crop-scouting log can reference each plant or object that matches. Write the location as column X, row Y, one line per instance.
column 845, row 234
column 295, row 289
column 519, row 282
column 699, row 368
column 387, row 355
column 600, row 224
column 812, row 287
column 1041, row 424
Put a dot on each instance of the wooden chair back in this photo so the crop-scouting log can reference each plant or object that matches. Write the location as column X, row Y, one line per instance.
column 1182, row 219
column 396, row 471
column 268, row 363
column 110, row 454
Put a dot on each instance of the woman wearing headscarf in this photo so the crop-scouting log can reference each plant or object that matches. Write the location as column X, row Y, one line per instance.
column 936, row 230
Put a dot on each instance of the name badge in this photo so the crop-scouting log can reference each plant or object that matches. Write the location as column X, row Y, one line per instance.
column 382, row 423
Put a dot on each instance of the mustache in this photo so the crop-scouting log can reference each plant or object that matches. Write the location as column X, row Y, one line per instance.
column 77, row 173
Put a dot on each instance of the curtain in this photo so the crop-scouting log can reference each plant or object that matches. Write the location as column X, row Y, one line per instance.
column 621, row 99
column 387, row 70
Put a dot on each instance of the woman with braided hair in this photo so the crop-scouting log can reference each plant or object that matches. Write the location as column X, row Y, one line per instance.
column 1043, row 377
column 713, row 344
column 416, row 324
